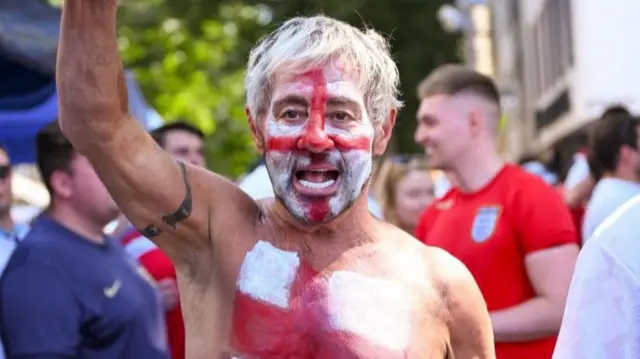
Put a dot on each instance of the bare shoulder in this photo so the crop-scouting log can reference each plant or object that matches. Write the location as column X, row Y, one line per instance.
column 449, row 297
column 437, row 265
column 446, row 269
column 451, row 277
column 465, row 311
column 424, row 265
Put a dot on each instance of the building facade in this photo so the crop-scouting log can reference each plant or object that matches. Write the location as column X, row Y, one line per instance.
column 563, row 62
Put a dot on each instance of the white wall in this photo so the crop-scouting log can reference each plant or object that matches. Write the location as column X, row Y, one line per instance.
column 531, row 9
column 606, row 65
column 607, row 55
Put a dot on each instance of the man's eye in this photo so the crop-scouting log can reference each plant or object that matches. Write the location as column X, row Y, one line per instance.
column 340, row 116
column 291, row 114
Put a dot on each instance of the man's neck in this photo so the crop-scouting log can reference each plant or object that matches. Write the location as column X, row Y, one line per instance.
column 6, row 222
column 623, row 174
column 476, row 171
column 77, row 223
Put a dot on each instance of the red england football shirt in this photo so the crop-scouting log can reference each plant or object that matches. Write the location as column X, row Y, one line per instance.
column 492, row 231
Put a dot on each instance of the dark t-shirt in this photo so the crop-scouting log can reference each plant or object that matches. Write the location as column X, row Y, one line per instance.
column 62, row 296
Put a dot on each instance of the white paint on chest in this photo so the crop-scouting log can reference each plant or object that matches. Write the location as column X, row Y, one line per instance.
column 375, row 309
column 267, row 274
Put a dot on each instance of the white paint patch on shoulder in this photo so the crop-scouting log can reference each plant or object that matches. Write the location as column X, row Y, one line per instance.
column 267, row 273
column 375, row 309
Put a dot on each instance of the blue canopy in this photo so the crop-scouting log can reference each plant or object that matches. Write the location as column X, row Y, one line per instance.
column 24, row 113
column 19, row 125
column 28, row 101
column 28, row 41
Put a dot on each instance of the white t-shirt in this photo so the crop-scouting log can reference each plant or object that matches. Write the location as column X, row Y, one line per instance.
column 607, row 196
column 578, row 172
column 257, row 184
column 602, row 315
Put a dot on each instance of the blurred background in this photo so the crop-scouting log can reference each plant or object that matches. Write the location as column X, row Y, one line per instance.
column 186, row 60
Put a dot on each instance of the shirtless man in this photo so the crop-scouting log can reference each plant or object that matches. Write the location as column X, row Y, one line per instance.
column 311, row 274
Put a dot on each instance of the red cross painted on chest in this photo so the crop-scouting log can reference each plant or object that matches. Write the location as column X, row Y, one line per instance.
column 285, row 309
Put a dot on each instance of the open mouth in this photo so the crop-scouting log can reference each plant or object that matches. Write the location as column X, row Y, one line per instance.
column 316, row 182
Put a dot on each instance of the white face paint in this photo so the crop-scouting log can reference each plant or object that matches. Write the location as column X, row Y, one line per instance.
column 318, row 144
column 267, row 274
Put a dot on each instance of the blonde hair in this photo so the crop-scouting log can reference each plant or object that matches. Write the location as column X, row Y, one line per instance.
column 390, row 174
column 304, row 43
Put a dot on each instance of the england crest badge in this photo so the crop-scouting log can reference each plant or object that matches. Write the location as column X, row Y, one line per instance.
column 484, row 223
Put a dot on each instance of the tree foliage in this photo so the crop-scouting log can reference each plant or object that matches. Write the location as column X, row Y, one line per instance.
column 192, row 73
column 190, row 55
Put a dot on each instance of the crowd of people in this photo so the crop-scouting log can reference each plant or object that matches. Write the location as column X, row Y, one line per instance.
column 318, row 252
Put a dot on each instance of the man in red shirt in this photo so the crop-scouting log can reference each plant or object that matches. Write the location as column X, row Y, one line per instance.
column 185, row 143
column 510, row 229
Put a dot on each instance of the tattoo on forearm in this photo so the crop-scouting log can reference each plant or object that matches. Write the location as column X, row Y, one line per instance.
column 181, row 213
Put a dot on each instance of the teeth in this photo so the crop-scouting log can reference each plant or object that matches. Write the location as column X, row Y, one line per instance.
column 319, row 171
column 315, row 185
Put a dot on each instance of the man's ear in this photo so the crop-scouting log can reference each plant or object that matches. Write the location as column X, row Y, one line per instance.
column 61, row 184
column 383, row 133
column 625, row 153
column 255, row 130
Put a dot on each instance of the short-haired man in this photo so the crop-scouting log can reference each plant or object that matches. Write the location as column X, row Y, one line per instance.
column 184, row 142
column 68, row 291
column 311, row 274
column 614, row 148
column 509, row 227
column 181, row 140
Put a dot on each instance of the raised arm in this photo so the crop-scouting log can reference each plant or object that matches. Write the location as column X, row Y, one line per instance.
column 173, row 204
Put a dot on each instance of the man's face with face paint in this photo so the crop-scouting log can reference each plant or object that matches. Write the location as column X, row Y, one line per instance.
column 317, row 140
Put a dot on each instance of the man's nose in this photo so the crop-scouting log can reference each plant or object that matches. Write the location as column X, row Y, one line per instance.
column 196, row 160
column 315, row 138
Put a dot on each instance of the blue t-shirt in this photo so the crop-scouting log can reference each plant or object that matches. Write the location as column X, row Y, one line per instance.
column 62, row 296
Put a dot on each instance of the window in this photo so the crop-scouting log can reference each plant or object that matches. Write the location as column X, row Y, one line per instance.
column 552, row 42
column 567, row 31
column 540, row 55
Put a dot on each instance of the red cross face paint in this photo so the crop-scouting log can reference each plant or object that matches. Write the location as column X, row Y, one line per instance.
column 318, row 144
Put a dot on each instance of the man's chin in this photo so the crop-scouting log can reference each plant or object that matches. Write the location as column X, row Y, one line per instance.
column 310, row 221
column 306, row 214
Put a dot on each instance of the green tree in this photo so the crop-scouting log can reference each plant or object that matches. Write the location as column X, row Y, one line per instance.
column 190, row 71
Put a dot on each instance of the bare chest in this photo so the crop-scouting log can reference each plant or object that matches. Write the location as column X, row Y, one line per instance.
column 285, row 309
